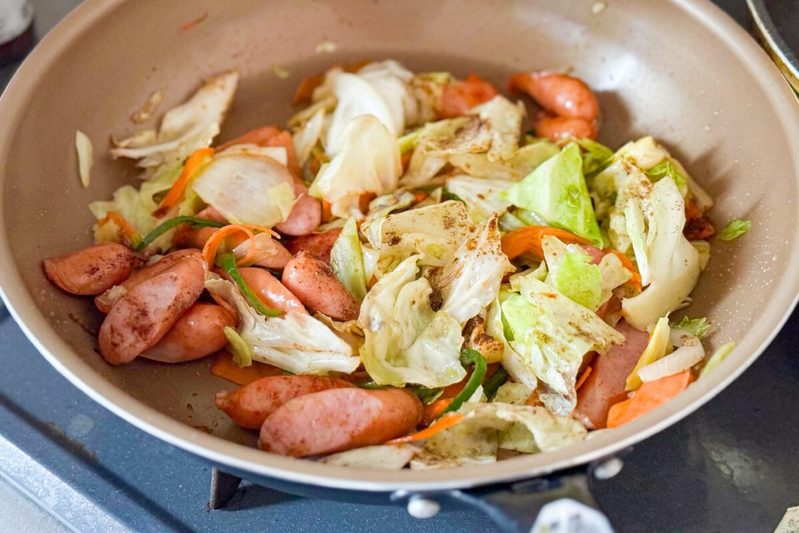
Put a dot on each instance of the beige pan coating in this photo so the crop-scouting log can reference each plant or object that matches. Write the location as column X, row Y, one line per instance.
column 679, row 70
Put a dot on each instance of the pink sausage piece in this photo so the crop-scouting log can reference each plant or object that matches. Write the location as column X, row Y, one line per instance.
column 559, row 94
column 312, row 281
column 92, row 270
column 271, row 292
column 196, row 334
column 188, row 237
column 305, row 216
column 248, row 406
column 316, row 244
column 149, row 310
column 339, row 419
column 605, row 384
column 558, row 128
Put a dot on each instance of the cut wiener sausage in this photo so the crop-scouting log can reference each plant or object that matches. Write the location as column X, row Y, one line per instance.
column 104, row 301
column 248, row 406
column 196, row 334
column 305, row 216
column 147, row 312
column 92, row 270
column 316, row 244
column 312, row 281
column 189, row 237
column 270, row 291
column 339, row 419
column 605, row 384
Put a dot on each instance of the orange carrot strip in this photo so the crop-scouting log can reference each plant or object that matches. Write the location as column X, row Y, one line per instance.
column 528, row 239
column 583, row 377
column 419, row 197
column 651, row 395
column 445, row 422
column 327, row 213
column 433, row 410
column 629, row 265
column 215, row 240
column 195, row 161
column 224, row 367
column 124, row 226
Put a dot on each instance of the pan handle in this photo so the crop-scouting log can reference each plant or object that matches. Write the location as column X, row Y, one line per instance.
column 561, row 501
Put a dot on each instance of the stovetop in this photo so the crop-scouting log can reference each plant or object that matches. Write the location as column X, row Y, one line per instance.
column 68, row 464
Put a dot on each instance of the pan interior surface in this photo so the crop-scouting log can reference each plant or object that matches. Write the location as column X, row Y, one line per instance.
column 679, row 71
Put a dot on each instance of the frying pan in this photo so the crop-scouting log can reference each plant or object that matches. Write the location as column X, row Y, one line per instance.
column 679, row 70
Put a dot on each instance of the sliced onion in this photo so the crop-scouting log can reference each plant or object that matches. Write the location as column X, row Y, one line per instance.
column 278, row 153
column 690, row 353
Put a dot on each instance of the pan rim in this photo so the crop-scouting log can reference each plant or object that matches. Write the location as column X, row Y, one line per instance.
column 237, row 456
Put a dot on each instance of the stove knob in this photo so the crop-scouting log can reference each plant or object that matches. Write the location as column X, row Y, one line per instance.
column 421, row 507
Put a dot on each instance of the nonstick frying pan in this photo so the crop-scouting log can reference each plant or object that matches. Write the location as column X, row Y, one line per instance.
column 679, row 70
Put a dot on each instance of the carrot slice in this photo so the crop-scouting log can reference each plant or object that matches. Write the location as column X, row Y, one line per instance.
column 195, row 162
column 224, row 367
column 215, row 240
column 124, row 226
column 445, row 422
column 434, row 410
column 528, row 239
column 327, row 213
column 651, row 395
column 629, row 265
column 583, row 377
column 459, row 97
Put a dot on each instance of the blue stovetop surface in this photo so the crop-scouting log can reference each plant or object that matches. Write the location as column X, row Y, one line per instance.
column 732, row 466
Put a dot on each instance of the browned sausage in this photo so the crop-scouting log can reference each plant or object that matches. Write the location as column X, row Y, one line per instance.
column 188, row 237
column 104, row 303
column 269, row 252
column 199, row 332
column 149, row 310
column 339, row 419
column 316, row 244
column 248, row 406
column 270, row 290
column 305, row 216
column 557, row 128
column 314, row 283
column 605, row 384
column 92, row 270
column 560, row 94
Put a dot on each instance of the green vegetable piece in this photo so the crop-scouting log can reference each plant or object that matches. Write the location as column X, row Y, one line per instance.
column 426, row 394
column 717, row 358
column 242, row 355
column 493, row 383
column 698, row 327
column 556, row 191
column 346, row 259
column 173, row 223
column 578, row 279
column 475, row 380
column 735, row 229
column 667, row 169
column 228, row 263
column 596, row 156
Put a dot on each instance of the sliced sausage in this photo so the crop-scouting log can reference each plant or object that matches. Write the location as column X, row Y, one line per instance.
column 305, row 216
column 314, row 283
column 316, row 244
column 339, row 419
column 271, row 292
column 149, row 310
column 558, row 128
column 605, row 384
column 104, row 302
column 92, row 270
column 196, row 334
column 269, row 253
column 248, row 406
column 560, row 94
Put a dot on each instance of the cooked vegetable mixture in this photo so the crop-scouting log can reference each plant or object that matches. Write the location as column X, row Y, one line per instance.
column 403, row 276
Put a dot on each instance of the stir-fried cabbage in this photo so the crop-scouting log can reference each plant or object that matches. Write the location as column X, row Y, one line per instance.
column 549, row 334
column 346, row 260
column 247, row 189
column 514, row 168
column 296, row 342
column 378, row 89
column 306, row 137
column 379, row 209
column 673, row 265
column 483, row 196
column 471, row 279
column 505, row 124
column 185, row 128
column 476, row 439
column 368, row 161
column 556, row 192
column 406, row 341
column 434, row 231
